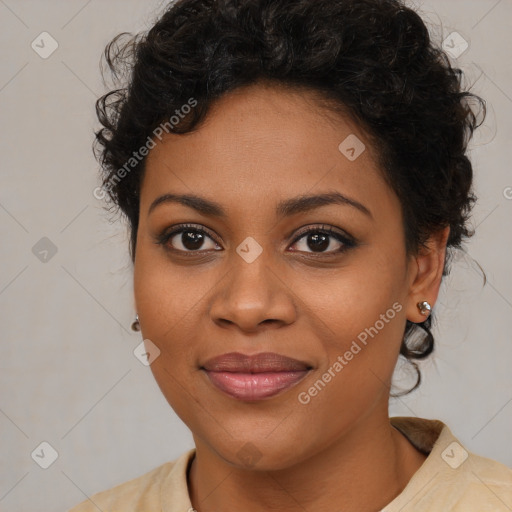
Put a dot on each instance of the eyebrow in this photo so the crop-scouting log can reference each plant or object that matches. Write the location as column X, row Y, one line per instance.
column 286, row 208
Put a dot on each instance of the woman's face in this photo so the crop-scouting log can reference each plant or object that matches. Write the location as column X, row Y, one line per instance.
column 245, row 277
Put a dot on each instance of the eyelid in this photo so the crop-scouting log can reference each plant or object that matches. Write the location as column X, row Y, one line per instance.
column 167, row 234
column 323, row 228
column 340, row 235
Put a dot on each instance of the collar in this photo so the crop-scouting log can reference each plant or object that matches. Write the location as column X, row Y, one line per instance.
column 431, row 437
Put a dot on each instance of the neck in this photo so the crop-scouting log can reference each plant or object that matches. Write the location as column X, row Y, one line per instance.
column 365, row 469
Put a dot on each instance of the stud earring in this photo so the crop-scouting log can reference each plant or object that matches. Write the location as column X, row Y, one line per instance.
column 135, row 324
column 424, row 307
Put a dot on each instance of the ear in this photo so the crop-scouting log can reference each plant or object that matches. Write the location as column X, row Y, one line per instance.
column 425, row 273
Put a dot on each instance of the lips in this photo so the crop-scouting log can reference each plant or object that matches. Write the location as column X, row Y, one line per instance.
column 254, row 377
column 258, row 363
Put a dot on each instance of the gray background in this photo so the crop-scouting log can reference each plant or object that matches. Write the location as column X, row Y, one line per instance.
column 68, row 373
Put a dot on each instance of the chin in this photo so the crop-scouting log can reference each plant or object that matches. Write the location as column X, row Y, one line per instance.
column 258, row 453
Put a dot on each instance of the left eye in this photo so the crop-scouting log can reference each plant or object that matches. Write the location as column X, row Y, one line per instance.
column 321, row 241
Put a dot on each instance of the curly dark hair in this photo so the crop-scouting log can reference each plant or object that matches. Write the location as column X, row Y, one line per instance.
column 371, row 59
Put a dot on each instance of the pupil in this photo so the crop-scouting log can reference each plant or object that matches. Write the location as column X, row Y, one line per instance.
column 191, row 240
column 318, row 241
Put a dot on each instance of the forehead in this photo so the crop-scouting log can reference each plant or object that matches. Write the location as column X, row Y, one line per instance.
column 259, row 143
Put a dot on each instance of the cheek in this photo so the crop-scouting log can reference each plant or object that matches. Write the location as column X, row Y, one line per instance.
column 362, row 316
column 368, row 292
column 167, row 296
column 166, row 310
column 167, row 303
column 365, row 328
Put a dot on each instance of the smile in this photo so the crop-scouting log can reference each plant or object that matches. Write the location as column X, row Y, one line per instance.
column 254, row 377
column 254, row 386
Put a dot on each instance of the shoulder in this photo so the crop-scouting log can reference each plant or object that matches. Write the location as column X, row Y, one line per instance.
column 143, row 492
column 483, row 472
column 469, row 482
column 451, row 478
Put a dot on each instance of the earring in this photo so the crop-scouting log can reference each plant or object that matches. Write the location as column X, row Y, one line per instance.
column 135, row 324
column 424, row 307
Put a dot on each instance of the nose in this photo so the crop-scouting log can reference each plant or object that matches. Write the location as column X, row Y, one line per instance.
column 253, row 296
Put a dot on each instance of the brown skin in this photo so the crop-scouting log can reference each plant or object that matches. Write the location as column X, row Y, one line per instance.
column 258, row 146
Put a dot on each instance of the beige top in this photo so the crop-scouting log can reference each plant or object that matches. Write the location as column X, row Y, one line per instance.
column 450, row 479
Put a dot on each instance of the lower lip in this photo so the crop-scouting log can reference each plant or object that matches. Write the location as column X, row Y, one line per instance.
column 254, row 386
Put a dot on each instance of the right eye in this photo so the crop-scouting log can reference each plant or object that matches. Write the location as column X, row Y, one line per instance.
column 191, row 239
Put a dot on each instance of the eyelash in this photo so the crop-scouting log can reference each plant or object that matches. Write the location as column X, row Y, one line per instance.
column 347, row 241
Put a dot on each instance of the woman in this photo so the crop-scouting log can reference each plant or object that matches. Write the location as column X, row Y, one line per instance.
column 293, row 174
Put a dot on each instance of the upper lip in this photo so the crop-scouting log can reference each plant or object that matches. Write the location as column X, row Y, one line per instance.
column 258, row 363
